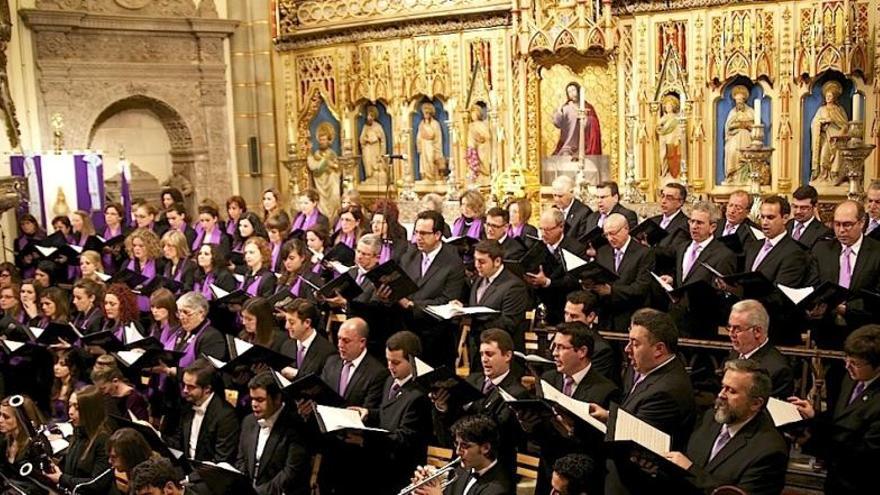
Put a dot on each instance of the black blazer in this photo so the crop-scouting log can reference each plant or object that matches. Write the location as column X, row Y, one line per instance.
column 743, row 230
column 664, row 399
column 664, row 251
column 630, row 291
column 754, row 460
column 865, row 275
column 187, row 269
column 701, row 317
column 514, row 247
column 78, row 468
column 316, row 354
column 89, row 323
column 816, row 231
column 495, row 481
column 777, row 365
column 284, row 467
column 787, row 263
column 561, row 282
column 218, row 435
column 211, row 342
column 576, row 220
column 507, row 294
column 364, row 386
column 631, row 218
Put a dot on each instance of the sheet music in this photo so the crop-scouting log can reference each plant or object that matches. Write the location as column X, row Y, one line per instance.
column 241, row 346
column 222, row 465
column 578, row 408
column 131, row 334
column 533, row 358
column 629, row 427
column 216, row 363
column 306, row 281
column 505, row 396
column 339, row 267
column 758, row 233
column 130, row 357
column 238, row 277
column 218, row 292
column 337, row 418
column 37, row 331
column 13, row 345
column 78, row 249
column 666, row 287
column 284, row 382
column 46, row 251
column 451, row 310
column 103, row 276
column 783, row 412
column 796, row 295
column 422, row 368
column 712, row 269
column 572, row 261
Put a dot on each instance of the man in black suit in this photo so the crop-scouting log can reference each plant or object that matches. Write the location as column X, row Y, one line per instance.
column 658, row 391
column 673, row 220
column 748, row 326
column 208, row 427
column 582, row 306
column 633, row 263
column 476, row 442
column 574, row 212
column 608, row 201
column 310, row 349
column 498, row 288
column 574, row 376
column 737, row 443
column 405, row 412
column 695, row 312
column 552, row 282
column 872, row 207
column 496, row 354
column 737, row 222
column 497, row 223
column 859, row 270
column 438, row 271
column 804, row 227
column 847, row 435
column 271, row 451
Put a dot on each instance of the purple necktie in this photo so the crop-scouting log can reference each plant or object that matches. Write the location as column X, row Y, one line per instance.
column 601, row 222
column 426, row 263
column 618, row 257
column 729, row 229
column 762, row 254
column 300, row 355
column 845, row 276
column 488, row 386
column 395, row 389
column 484, row 284
column 798, row 231
column 872, row 225
column 637, row 379
column 360, row 278
column 689, row 260
column 344, row 377
column 720, row 442
column 860, row 387
column 568, row 386
column 665, row 222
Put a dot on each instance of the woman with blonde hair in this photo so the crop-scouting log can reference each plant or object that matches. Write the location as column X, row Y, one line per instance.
column 90, row 265
column 178, row 266
column 273, row 205
column 144, row 253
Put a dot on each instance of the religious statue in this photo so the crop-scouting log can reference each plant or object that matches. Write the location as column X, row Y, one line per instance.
column 830, row 120
column 60, row 208
column 430, row 145
column 669, row 137
column 566, row 120
column 479, row 145
column 737, row 135
column 372, row 142
column 324, row 166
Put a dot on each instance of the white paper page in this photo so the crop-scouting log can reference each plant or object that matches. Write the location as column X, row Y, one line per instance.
column 796, row 295
column 422, row 368
column 505, row 396
column 758, row 233
column 37, row 331
column 444, row 311
column 131, row 334
column 241, row 346
column 238, row 277
column 223, row 465
column 533, row 358
column 578, row 408
column 666, row 287
column 572, row 261
column 78, row 249
column 58, row 444
column 103, row 276
column 783, row 412
column 339, row 267
column 130, row 357
column 306, row 281
column 66, row 428
column 46, row 251
column 712, row 269
column 281, row 379
column 218, row 292
column 477, row 310
column 337, row 418
column 629, row 427
column 13, row 345
column 216, row 363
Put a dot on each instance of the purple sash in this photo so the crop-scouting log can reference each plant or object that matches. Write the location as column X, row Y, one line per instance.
column 347, row 239
column 303, row 222
column 276, row 250
column 167, row 336
column 213, row 238
column 148, row 271
column 473, row 232
column 230, row 227
column 338, row 226
column 513, row 231
column 385, row 253
column 205, row 286
column 294, row 289
column 189, row 355
column 253, row 286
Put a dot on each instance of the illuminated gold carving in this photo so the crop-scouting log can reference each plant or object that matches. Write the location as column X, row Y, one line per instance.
column 742, row 45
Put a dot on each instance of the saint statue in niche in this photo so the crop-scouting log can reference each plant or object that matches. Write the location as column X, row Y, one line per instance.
column 669, row 137
column 372, row 142
column 324, row 166
column 737, row 135
column 430, row 145
column 479, row 145
column 566, row 120
column 830, row 120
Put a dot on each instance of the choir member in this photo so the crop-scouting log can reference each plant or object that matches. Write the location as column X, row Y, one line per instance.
column 520, row 211
column 671, row 219
column 273, row 206
column 121, row 311
column 749, row 329
column 295, row 263
column 317, row 240
column 309, row 216
column 91, row 266
column 113, row 256
column 235, row 207
column 30, row 294
column 258, row 324
column 574, row 212
column 803, row 226
column 276, row 227
column 498, row 228
column 249, row 226
column 67, row 372
column 210, row 231
column 54, row 307
column 212, row 270
column 13, row 313
column 30, row 232
column 17, row 447
column 582, row 306
column 386, row 223
column 145, row 216
column 472, row 207
column 608, row 202
column 434, row 202
column 87, row 298
column 144, row 255
column 258, row 279
column 351, row 220
column 309, row 348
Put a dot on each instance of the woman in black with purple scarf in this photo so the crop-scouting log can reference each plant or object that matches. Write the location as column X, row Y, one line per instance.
column 144, row 254
column 258, row 279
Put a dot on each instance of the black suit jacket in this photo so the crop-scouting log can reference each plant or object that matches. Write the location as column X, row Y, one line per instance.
column 743, row 230
column 814, row 232
column 218, row 435
column 777, row 365
column 787, row 263
column 514, row 247
column 630, row 291
column 631, row 218
column 284, row 467
column 679, row 233
column 495, row 481
column 576, row 220
column 507, row 294
column 561, row 282
column 701, row 317
column 187, row 277
column 754, row 460
column 364, row 386
column 316, row 355
column 865, row 275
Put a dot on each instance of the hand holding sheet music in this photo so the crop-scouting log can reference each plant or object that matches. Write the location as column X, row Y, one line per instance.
column 452, row 310
column 332, row 419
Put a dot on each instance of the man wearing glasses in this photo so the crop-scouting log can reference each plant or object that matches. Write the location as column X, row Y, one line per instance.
column 552, row 282
column 748, row 328
column 847, row 435
column 497, row 223
column 804, row 227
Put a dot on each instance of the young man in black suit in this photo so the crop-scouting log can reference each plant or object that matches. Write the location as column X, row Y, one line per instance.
column 574, row 212
column 633, row 263
column 496, row 354
column 208, row 427
column 696, row 313
column 499, row 289
column 804, row 227
column 657, row 390
column 673, row 220
column 553, row 282
column 748, row 326
column 405, row 412
column 574, row 376
column 737, row 443
column 438, row 271
column 271, row 450
column 582, row 306
column 476, row 441
column 497, row 223
column 608, row 198
column 847, row 435
column 310, row 349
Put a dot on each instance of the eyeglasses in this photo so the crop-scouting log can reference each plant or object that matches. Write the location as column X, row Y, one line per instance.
column 736, row 329
column 495, row 225
column 424, row 233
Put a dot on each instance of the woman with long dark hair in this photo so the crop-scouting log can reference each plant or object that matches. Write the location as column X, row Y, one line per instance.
column 30, row 232
column 258, row 324
column 273, row 205
column 213, row 269
column 115, row 226
column 54, row 307
column 351, row 220
column 276, row 227
column 164, row 390
column 126, row 448
column 296, row 264
column 210, row 231
column 249, row 225
column 386, row 223
column 67, row 371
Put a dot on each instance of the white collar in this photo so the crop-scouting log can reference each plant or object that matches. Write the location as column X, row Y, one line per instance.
column 704, row 243
column 664, row 363
column 732, row 430
column 805, row 224
column 625, row 245
column 357, row 361
column 856, row 247
column 579, row 376
column 204, row 405
column 495, row 275
column 775, row 240
column 554, row 247
column 270, row 421
column 486, row 469
column 498, row 379
column 432, row 254
column 756, row 349
column 308, row 341
column 670, row 217
column 400, row 383
column 503, row 238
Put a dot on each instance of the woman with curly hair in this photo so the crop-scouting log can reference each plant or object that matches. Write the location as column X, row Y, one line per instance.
column 121, row 310
column 258, row 279
column 143, row 250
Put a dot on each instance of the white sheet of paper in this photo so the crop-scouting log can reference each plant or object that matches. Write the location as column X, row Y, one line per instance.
column 337, row 418
column 796, row 295
column 238, row 277
column 629, row 427
column 505, row 396
column 216, row 363
column 281, row 379
column 130, row 357
column 533, row 358
column 578, row 408
column 422, row 368
column 103, row 276
column 666, row 287
column 218, row 292
column 46, row 251
column 450, row 310
column 572, row 261
column 241, row 346
column 339, row 267
column 13, row 345
column 37, row 331
column 758, row 233
column 712, row 269
column 132, row 334
column 782, row 412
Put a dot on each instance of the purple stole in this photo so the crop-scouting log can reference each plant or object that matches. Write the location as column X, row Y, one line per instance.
column 458, row 228
column 276, row 250
column 205, row 286
column 149, row 271
column 189, row 355
column 347, row 239
column 316, row 268
column 385, row 253
column 231, row 226
column 303, row 222
column 44, row 322
column 213, row 238
column 107, row 258
column 338, row 226
column 294, row 289
column 515, row 231
column 253, row 287
column 167, row 336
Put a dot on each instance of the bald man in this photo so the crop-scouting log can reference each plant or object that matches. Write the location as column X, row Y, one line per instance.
column 633, row 263
column 573, row 210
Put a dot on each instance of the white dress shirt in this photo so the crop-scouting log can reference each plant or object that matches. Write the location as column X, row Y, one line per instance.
column 195, row 428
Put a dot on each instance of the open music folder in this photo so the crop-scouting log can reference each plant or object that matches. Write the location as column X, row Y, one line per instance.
column 332, row 419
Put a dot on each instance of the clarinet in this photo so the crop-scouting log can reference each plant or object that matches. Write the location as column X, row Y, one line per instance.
column 42, row 447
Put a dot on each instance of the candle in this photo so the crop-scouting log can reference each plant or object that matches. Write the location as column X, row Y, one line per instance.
column 581, row 94
column 857, row 107
column 757, row 111
column 450, row 109
column 291, row 136
column 346, row 129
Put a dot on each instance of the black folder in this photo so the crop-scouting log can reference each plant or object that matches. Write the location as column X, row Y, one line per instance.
column 103, row 339
column 237, row 296
column 595, row 238
column 217, row 479
column 341, row 253
column 733, row 242
column 530, row 262
column 53, row 333
column 392, row 275
column 312, row 387
column 128, row 277
column 447, row 379
column 827, row 292
column 154, row 440
column 236, row 258
column 344, row 284
column 596, row 273
column 158, row 282
column 256, row 354
column 650, row 231
column 462, row 242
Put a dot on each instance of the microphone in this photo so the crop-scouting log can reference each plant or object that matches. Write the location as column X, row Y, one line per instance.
column 396, row 157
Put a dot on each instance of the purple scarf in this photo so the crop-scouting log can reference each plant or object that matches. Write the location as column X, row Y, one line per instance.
column 213, row 238
column 176, row 271
column 189, row 355
column 513, row 231
column 149, row 271
column 385, row 253
column 338, row 226
column 303, row 222
column 253, row 286
column 167, row 336
column 294, row 289
column 107, row 258
column 347, row 239
column 205, row 286
column 276, row 250
column 230, row 226
column 473, row 232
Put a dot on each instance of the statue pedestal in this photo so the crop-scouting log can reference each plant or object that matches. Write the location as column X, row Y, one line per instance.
column 596, row 168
